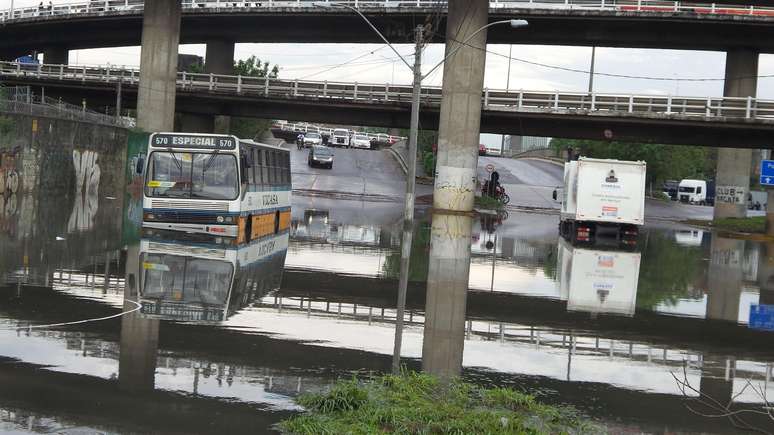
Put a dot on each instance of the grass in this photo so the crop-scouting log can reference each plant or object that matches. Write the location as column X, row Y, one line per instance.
column 488, row 203
column 755, row 224
column 417, row 403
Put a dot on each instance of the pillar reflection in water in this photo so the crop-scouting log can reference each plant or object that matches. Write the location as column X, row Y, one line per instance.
column 139, row 335
column 447, row 287
column 724, row 283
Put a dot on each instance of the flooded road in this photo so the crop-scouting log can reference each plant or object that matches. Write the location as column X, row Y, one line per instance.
column 220, row 339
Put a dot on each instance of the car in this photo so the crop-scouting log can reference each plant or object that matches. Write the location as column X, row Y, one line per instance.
column 360, row 141
column 312, row 139
column 320, row 156
column 340, row 137
column 481, row 150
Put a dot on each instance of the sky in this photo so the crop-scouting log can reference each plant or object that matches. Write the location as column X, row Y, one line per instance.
column 376, row 63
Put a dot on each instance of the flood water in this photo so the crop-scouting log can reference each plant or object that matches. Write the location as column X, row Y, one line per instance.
column 670, row 337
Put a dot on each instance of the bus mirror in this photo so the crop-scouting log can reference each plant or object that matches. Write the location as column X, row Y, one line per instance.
column 555, row 194
column 140, row 165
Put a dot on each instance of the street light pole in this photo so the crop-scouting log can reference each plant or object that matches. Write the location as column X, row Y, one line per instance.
column 408, row 212
column 591, row 71
column 507, row 88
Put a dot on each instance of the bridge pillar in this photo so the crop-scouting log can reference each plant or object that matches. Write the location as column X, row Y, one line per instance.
column 56, row 55
column 158, row 65
column 724, row 281
column 460, row 120
column 733, row 174
column 447, row 291
column 219, row 59
column 195, row 123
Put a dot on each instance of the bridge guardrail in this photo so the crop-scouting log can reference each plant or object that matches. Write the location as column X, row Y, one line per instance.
column 655, row 6
column 748, row 108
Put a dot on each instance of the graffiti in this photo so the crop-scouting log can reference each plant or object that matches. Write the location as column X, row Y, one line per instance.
column 87, row 178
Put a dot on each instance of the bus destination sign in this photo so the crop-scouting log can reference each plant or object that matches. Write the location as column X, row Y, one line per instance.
column 193, row 141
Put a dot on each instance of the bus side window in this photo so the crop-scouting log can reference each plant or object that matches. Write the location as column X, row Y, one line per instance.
column 270, row 164
column 251, row 170
column 264, row 168
column 287, row 168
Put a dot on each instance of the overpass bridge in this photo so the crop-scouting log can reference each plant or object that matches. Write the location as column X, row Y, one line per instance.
column 610, row 23
column 708, row 121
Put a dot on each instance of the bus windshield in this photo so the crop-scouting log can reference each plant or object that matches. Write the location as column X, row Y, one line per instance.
column 186, row 279
column 192, row 175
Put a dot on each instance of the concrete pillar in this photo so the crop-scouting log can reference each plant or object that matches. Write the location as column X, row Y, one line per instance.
column 139, row 336
column 725, row 275
column 447, row 291
column 716, row 383
column 770, row 211
column 460, row 120
column 219, row 59
column 158, row 65
column 733, row 175
column 195, row 123
column 56, row 55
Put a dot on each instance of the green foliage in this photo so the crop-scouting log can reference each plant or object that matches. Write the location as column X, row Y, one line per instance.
column 416, row 403
column 419, row 260
column 668, row 272
column 6, row 125
column 428, row 163
column 253, row 67
column 488, row 203
column 755, row 224
column 665, row 162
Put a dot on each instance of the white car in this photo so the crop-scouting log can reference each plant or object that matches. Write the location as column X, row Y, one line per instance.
column 312, row 139
column 361, row 141
column 340, row 138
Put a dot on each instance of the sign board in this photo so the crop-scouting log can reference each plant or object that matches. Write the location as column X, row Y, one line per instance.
column 762, row 317
column 767, row 173
column 490, row 168
column 166, row 140
column 730, row 194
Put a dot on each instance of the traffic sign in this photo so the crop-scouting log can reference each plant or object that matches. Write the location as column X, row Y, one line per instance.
column 490, row 167
column 767, row 173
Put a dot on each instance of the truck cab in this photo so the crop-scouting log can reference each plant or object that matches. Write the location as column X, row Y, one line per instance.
column 692, row 191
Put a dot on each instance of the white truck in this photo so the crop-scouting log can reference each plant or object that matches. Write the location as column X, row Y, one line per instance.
column 598, row 281
column 692, row 191
column 602, row 197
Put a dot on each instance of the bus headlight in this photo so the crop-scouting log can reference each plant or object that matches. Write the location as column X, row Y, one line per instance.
column 149, row 217
column 229, row 219
column 220, row 219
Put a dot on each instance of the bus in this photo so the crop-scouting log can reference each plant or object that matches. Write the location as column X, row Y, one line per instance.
column 215, row 184
column 205, row 281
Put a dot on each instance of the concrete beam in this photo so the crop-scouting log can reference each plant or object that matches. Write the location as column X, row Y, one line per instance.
column 158, row 65
column 460, row 118
column 733, row 173
column 56, row 55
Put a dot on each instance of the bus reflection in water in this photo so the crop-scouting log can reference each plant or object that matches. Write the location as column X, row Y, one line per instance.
column 202, row 279
column 217, row 185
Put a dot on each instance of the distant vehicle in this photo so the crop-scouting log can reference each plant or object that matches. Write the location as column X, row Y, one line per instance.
column 320, row 156
column 360, row 141
column 757, row 200
column 27, row 59
column 689, row 237
column 493, row 151
column 340, row 137
column 692, row 191
column 215, row 184
column 481, row 149
column 602, row 197
column 312, row 139
column 670, row 188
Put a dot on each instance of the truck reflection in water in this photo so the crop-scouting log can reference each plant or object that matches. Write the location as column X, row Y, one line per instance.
column 194, row 279
column 597, row 280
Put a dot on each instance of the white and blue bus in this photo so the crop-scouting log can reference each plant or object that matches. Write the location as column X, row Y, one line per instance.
column 216, row 184
column 193, row 279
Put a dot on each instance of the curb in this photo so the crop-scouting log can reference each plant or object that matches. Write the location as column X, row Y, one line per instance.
column 542, row 159
column 399, row 159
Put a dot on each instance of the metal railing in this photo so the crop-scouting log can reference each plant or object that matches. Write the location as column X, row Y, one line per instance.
column 748, row 108
column 21, row 100
column 61, row 8
column 305, row 127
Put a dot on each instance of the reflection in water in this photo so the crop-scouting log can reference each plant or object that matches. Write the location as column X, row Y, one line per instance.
column 447, row 290
column 598, row 281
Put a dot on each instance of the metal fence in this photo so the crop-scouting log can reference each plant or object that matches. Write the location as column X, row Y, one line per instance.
column 61, row 8
column 22, row 100
column 747, row 108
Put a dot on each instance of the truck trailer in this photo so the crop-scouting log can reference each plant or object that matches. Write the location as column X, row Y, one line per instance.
column 603, row 198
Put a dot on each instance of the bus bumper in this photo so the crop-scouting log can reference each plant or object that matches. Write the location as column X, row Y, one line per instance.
column 212, row 229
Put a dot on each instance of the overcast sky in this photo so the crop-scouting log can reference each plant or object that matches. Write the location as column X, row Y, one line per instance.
column 376, row 63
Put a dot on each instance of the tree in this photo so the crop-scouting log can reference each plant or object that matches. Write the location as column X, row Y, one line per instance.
column 664, row 161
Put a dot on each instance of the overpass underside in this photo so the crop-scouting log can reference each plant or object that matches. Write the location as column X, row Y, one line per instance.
column 584, row 27
column 583, row 124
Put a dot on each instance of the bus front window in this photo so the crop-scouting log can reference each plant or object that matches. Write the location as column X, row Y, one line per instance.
column 186, row 279
column 192, row 175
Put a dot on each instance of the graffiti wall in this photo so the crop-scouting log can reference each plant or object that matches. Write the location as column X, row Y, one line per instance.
column 61, row 188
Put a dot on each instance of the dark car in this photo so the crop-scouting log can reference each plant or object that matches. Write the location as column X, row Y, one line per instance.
column 481, row 149
column 320, row 156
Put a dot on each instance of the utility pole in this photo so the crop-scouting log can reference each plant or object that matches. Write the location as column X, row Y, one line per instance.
column 118, row 97
column 408, row 212
column 507, row 88
column 591, row 71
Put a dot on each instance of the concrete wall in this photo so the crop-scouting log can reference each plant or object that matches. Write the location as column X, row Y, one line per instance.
column 61, row 178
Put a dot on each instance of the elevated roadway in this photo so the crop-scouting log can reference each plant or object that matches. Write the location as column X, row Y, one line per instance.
column 708, row 121
column 628, row 23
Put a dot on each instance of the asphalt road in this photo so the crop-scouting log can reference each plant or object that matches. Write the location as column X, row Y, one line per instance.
column 355, row 172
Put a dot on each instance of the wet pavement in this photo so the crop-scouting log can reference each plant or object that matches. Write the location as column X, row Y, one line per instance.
column 650, row 340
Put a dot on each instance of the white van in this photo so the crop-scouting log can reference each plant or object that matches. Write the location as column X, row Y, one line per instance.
column 340, row 138
column 692, row 191
column 361, row 141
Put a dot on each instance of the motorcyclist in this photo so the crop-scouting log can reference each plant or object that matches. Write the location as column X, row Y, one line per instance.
column 300, row 140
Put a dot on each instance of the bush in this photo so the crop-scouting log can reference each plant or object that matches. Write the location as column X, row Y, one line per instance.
column 428, row 163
